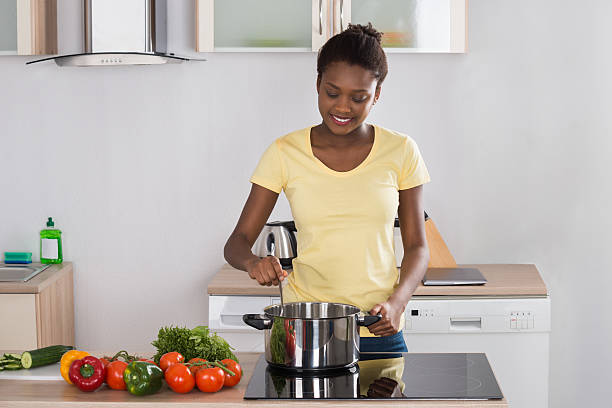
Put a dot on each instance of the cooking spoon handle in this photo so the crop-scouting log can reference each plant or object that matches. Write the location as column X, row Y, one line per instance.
column 280, row 282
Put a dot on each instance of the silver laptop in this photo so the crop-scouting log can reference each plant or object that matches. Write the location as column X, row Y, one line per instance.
column 453, row 276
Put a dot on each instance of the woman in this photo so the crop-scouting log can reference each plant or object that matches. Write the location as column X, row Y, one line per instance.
column 345, row 181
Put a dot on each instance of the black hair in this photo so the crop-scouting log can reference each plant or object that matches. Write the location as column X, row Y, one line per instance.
column 357, row 45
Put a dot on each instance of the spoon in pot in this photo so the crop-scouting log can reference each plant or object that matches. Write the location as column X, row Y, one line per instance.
column 280, row 282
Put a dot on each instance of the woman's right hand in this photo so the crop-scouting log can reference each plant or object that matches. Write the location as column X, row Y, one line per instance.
column 266, row 271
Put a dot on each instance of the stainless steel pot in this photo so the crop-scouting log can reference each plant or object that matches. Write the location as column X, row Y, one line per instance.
column 310, row 335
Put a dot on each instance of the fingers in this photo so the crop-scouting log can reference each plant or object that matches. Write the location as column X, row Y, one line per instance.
column 386, row 329
column 385, row 326
column 267, row 271
column 376, row 309
column 280, row 273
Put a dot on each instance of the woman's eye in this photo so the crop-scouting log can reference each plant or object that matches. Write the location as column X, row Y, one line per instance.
column 359, row 100
column 332, row 95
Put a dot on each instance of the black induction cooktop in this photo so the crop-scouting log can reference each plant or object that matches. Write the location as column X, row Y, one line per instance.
column 433, row 376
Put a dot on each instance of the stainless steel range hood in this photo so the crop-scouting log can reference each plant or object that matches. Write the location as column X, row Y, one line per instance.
column 122, row 32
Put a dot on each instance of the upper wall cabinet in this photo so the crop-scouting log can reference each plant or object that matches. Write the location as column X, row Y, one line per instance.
column 302, row 25
column 28, row 27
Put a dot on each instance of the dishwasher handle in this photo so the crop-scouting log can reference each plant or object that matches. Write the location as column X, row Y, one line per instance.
column 466, row 323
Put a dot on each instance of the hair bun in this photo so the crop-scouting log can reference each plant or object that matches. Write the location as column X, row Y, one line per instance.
column 361, row 29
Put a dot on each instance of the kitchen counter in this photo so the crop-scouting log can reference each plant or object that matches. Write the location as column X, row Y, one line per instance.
column 19, row 393
column 502, row 280
column 39, row 282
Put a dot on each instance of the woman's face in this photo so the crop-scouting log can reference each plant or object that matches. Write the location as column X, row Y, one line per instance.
column 346, row 96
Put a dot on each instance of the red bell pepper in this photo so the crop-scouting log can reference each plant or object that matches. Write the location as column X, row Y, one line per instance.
column 87, row 373
column 289, row 339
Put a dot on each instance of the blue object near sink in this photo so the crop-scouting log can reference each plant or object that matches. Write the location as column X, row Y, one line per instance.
column 18, row 257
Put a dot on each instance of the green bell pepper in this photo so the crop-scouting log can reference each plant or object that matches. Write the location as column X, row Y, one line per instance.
column 142, row 378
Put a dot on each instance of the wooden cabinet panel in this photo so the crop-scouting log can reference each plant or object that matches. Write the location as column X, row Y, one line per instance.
column 55, row 313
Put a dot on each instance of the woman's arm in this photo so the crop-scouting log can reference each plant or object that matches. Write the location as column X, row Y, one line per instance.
column 267, row 271
column 414, row 263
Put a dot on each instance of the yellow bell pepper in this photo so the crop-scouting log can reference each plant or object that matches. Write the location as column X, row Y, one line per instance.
column 67, row 360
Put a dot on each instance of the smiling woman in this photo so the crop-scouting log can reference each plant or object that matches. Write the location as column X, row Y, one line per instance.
column 345, row 180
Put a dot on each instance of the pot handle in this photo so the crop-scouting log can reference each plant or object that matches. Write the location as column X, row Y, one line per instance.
column 258, row 321
column 367, row 320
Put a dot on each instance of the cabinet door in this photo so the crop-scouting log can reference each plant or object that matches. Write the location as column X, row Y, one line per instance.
column 18, row 322
column 261, row 25
column 8, row 27
column 28, row 27
column 409, row 25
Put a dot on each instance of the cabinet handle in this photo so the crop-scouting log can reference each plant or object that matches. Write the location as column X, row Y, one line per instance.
column 320, row 17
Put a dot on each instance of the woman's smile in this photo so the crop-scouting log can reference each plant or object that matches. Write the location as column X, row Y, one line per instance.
column 340, row 120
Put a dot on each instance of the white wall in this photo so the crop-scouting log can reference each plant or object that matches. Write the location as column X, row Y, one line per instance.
column 145, row 169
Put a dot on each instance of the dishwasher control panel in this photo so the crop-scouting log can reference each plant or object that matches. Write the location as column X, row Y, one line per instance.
column 437, row 315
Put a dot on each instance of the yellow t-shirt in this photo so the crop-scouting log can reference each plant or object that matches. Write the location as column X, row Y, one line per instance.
column 344, row 220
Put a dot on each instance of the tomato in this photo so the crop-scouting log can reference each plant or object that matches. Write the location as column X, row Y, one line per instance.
column 148, row 361
column 195, row 368
column 179, row 378
column 169, row 359
column 210, row 379
column 114, row 374
column 105, row 361
column 231, row 380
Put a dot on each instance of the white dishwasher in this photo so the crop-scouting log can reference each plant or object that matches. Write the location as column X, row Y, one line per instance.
column 512, row 331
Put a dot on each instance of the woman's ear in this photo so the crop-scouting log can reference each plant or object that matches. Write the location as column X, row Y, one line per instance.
column 376, row 95
column 318, row 82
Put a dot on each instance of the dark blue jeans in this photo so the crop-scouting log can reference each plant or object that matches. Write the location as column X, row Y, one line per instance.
column 387, row 344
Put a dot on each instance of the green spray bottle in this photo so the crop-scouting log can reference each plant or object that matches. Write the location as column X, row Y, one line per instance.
column 51, row 244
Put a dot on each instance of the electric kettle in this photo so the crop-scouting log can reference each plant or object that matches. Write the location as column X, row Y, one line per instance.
column 277, row 237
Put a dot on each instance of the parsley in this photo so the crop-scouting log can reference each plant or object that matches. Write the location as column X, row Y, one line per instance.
column 198, row 342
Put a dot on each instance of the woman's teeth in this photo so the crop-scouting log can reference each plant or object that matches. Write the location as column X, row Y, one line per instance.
column 339, row 120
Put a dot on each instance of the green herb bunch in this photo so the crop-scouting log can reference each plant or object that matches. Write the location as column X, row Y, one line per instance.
column 277, row 341
column 196, row 342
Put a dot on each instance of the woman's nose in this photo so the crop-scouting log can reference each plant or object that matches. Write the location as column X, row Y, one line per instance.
column 343, row 106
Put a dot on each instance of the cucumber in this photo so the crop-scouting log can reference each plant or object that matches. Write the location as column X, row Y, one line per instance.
column 14, row 366
column 43, row 356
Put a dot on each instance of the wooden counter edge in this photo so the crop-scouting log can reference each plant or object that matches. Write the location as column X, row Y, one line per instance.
column 39, row 282
column 235, row 284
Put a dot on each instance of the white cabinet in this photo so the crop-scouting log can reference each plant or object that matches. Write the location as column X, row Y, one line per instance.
column 261, row 25
column 409, row 25
column 225, row 317
column 18, row 320
column 302, row 25
column 28, row 27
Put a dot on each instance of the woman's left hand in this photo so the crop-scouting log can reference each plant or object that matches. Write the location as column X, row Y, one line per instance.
column 391, row 316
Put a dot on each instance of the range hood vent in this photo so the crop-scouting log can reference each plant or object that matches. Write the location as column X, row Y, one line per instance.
column 122, row 32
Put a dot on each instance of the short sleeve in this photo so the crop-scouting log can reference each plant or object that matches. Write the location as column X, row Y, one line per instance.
column 269, row 171
column 414, row 172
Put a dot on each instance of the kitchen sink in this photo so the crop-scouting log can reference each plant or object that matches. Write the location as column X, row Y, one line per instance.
column 20, row 272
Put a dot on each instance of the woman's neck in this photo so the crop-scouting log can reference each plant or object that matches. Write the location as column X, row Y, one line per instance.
column 358, row 136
